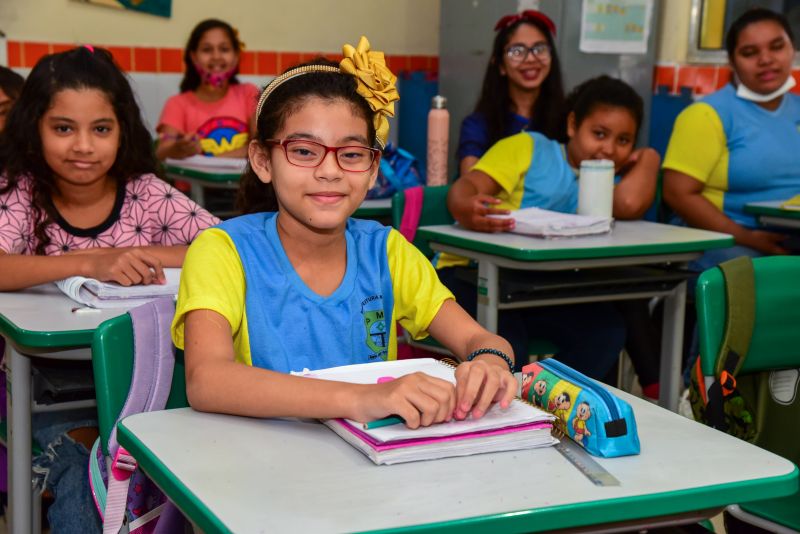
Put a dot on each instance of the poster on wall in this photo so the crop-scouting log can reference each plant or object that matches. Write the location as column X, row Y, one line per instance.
column 615, row 26
column 161, row 8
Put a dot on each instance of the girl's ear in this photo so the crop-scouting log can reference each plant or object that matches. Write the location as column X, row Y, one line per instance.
column 374, row 172
column 571, row 126
column 259, row 161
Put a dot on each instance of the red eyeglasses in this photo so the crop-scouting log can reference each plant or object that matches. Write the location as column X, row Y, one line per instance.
column 304, row 153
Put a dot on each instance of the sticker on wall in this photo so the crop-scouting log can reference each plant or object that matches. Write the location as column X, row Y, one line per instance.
column 162, row 8
column 615, row 26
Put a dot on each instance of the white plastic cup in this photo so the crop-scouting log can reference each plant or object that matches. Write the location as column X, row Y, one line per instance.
column 596, row 188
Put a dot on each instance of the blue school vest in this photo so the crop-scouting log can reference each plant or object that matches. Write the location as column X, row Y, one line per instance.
column 290, row 327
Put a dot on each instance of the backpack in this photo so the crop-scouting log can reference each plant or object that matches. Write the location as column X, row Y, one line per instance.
column 759, row 406
column 399, row 170
column 127, row 500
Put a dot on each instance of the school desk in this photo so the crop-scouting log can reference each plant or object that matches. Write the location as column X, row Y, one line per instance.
column 237, row 474
column 200, row 179
column 36, row 323
column 375, row 208
column 771, row 214
column 631, row 243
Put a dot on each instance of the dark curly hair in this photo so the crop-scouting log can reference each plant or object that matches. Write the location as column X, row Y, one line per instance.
column 256, row 196
column 494, row 102
column 21, row 147
column 191, row 79
column 604, row 91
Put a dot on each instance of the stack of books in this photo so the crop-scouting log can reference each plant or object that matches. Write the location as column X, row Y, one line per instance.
column 520, row 426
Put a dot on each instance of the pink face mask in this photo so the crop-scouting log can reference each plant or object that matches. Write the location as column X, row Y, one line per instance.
column 215, row 79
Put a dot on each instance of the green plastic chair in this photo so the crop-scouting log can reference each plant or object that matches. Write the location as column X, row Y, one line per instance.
column 112, row 362
column 434, row 211
column 775, row 344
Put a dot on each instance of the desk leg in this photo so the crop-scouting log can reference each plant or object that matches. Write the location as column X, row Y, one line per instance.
column 198, row 194
column 18, row 398
column 488, row 294
column 672, row 348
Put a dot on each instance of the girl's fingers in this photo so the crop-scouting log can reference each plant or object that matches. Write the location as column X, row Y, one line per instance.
column 491, row 382
column 467, row 389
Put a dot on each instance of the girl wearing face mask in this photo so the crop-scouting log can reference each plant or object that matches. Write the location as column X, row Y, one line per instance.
column 522, row 88
column 741, row 143
column 213, row 114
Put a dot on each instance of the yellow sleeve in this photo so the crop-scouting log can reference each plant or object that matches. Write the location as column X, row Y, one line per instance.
column 697, row 142
column 507, row 161
column 418, row 293
column 213, row 279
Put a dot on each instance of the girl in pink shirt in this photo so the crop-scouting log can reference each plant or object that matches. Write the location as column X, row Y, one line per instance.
column 213, row 114
column 78, row 191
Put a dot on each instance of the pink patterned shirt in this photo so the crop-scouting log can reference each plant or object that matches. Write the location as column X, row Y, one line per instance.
column 148, row 211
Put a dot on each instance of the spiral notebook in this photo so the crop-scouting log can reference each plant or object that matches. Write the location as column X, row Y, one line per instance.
column 97, row 294
column 520, row 426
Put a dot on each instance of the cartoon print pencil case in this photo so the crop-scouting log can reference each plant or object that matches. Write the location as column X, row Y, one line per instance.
column 585, row 411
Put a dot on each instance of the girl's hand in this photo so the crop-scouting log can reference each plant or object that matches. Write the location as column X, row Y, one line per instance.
column 125, row 266
column 185, row 145
column 480, row 207
column 763, row 241
column 420, row 399
column 481, row 382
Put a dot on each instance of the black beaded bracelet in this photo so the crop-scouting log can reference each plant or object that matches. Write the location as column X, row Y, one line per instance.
column 495, row 352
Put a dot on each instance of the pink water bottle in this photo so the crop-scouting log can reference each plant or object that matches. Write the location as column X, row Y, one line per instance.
column 438, row 133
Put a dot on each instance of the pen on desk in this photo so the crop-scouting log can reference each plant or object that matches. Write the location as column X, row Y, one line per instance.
column 386, row 421
column 83, row 310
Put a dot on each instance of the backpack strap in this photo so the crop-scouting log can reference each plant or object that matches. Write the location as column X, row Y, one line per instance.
column 412, row 211
column 153, row 364
column 739, row 320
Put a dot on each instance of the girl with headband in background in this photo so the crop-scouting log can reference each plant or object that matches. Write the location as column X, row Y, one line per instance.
column 213, row 114
column 289, row 285
column 522, row 88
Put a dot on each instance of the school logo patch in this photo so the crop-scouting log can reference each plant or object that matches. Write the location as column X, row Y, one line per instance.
column 376, row 329
column 222, row 134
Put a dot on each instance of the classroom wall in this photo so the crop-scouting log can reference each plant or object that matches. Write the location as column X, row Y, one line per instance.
column 277, row 34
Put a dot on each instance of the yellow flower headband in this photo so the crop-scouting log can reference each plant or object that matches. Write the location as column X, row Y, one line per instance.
column 374, row 81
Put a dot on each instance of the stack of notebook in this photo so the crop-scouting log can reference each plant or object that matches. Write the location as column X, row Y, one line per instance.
column 545, row 223
column 97, row 294
column 520, row 426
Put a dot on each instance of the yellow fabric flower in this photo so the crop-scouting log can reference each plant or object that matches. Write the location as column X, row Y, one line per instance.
column 375, row 83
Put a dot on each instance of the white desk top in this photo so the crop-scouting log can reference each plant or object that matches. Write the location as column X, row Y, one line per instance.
column 254, row 475
column 42, row 310
column 626, row 234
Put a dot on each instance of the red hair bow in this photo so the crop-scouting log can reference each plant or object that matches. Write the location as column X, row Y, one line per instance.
column 528, row 14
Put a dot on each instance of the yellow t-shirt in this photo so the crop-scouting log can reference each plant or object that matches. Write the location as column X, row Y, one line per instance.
column 698, row 148
column 213, row 278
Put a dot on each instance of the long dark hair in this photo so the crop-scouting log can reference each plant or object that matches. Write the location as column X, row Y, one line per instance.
column 604, row 91
column 10, row 82
column 494, row 103
column 256, row 196
column 191, row 79
column 751, row 16
column 21, row 147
